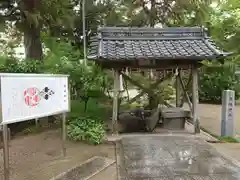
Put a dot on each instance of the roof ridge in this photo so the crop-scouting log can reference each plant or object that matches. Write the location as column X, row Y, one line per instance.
column 151, row 38
column 146, row 33
column 150, row 29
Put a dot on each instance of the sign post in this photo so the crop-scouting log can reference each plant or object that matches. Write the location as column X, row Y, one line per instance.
column 64, row 135
column 31, row 96
column 6, row 152
column 228, row 108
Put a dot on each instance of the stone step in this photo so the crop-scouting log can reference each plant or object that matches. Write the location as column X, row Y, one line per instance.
column 107, row 174
column 86, row 170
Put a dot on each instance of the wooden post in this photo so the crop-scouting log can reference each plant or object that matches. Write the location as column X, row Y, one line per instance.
column 116, row 91
column 178, row 89
column 195, row 99
column 6, row 152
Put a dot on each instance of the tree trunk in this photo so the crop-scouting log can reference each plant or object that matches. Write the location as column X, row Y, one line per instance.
column 153, row 13
column 32, row 42
column 31, row 28
column 152, row 102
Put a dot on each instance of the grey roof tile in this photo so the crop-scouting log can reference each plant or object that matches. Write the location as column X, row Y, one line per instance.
column 114, row 43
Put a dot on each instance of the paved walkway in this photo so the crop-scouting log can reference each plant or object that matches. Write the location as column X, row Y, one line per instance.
column 173, row 158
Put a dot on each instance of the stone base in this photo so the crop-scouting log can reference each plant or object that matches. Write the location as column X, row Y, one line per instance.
column 174, row 124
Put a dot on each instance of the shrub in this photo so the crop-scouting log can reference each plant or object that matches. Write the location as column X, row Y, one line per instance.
column 21, row 67
column 86, row 129
column 214, row 79
column 88, row 126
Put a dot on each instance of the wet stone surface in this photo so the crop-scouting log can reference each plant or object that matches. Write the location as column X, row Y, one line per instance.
column 173, row 158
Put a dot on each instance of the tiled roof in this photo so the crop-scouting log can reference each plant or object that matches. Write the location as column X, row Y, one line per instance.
column 116, row 43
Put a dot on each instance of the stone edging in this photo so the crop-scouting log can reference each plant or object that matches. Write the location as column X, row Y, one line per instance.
column 87, row 161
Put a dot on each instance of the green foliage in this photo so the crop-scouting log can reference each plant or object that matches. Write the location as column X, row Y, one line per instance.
column 87, row 126
column 160, row 93
column 86, row 129
column 8, row 65
column 97, row 109
column 226, row 15
column 214, row 79
column 179, row 13
column 50, row 13
column 86, row 81
column 228, row 139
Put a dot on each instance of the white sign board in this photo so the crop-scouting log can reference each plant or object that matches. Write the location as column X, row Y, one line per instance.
column 30, row 96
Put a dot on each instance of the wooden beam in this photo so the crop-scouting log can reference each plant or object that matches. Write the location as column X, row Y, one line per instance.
column 132, row 81
column 195, row 99
column 152, row 86
column 178, row 89
column 116, row 91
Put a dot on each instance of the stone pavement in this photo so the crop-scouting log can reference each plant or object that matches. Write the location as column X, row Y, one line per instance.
column 173, row 158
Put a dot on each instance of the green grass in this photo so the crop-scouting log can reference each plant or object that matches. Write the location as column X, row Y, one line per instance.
column 228, row 139
column 95, row 108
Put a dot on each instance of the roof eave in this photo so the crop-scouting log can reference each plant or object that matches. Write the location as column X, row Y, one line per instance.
column 190, row 58
column 226, row 54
